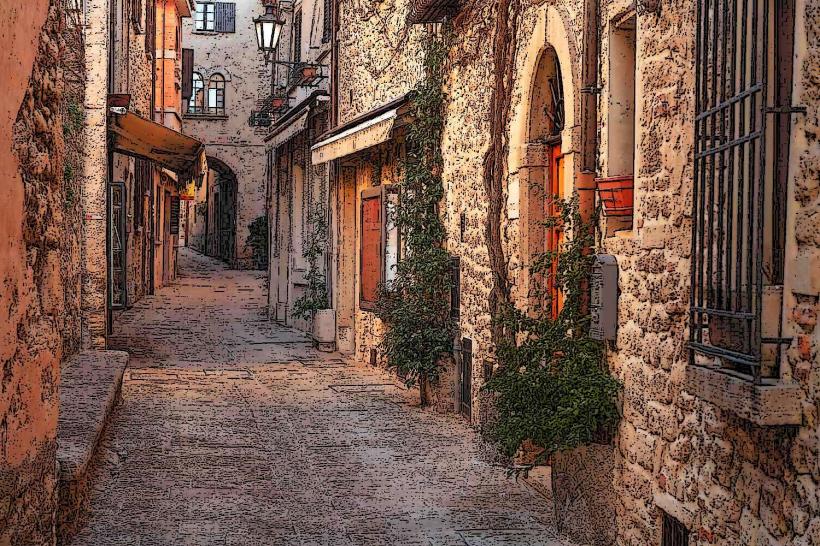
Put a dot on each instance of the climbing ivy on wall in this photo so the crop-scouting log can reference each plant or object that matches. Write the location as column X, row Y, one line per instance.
column 315, row 295
column 415, row 306
column 553, row 387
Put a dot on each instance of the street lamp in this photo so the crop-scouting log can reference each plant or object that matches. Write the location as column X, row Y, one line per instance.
column 268, row 29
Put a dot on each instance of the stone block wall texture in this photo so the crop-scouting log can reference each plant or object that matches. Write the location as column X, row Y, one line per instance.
column 40, row 286
column 729, row 481
column 231, row 139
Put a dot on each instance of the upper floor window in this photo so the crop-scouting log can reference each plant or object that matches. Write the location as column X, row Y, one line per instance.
column 196, row 104
column 216, row 95
column 215, row 17
column 297, row 37
column 743, row 102
column 204, row 16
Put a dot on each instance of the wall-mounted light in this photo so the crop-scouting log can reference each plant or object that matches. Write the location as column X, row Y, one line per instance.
column 268, row 29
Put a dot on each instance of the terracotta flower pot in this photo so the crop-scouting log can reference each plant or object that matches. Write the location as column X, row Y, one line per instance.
column 277, row 102
column 617, row 195
column 308, row 73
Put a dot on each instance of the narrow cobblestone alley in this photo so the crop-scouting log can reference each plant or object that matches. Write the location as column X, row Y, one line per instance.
column 235, row 431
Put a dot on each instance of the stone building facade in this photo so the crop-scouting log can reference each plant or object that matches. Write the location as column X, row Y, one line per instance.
column 39, row 255
column 703, row 448
column 230, row 78
column 297, row 112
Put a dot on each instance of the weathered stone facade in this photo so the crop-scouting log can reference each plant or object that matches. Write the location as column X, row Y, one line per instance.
column 39, row 259
column 726, row 479
column 228, row 138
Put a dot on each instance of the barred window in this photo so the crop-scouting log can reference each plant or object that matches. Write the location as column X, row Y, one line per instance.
column 743, row 102
column 216, row 95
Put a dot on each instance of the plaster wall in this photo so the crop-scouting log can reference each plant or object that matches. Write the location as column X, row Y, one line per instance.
column 39, row 258
column 229, row 138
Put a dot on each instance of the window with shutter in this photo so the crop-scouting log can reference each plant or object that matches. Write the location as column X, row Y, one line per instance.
column 297, row 37
column 187, row 73
column 225, row 17
column 327, row 21
column 204, row 16
column 370, row 270
column 150, row 16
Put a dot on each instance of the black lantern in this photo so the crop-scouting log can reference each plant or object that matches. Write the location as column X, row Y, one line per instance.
column 268, row 29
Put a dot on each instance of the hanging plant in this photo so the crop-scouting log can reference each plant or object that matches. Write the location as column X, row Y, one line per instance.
column 553, row 389
column 415, row 306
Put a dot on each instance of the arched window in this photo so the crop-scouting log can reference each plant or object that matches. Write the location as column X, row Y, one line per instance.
column 546, row 191
column 196, row 104
column 216, row 95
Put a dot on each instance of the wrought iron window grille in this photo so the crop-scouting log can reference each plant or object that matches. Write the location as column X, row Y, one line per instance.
column 744, row 51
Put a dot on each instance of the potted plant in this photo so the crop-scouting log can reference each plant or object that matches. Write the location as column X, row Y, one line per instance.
column 616, row 194
column 314, row 303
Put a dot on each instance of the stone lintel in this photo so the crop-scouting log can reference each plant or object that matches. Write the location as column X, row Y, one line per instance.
column 765, row 405
column 684, row 513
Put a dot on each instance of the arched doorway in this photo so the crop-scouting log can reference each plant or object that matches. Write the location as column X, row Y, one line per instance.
column 547, row 188
column 222, row 197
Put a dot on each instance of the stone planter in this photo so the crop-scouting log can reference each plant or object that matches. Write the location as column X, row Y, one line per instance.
column 584, row 494
column 324, row 329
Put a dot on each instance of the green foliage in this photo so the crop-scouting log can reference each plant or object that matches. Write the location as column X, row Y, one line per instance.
column 73, row 119
column 315, row 296
column 258, row 240
column 415, row 305
column 553, row 387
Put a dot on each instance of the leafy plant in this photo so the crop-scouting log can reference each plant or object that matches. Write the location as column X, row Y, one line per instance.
column 415, row 306
column 552, row 386
column 73, row 119
column 258, row 240
column 315, row 296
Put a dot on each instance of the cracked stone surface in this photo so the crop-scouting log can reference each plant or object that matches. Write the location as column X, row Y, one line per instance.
column 233, row 431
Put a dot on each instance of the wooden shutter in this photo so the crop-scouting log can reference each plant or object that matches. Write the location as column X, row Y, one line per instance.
column 150, row 16
column 327, row 21
column 174, row 216
column 187, row 74
column 297, row 37
column 225, row 17
column 371, row 247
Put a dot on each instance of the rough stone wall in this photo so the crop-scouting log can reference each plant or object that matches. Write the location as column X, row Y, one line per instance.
column 380, row 55
column 38, row 263
column 231, row 139
column 729, row 481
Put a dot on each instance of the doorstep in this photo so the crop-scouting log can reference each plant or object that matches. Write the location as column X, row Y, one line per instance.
column 89, row 389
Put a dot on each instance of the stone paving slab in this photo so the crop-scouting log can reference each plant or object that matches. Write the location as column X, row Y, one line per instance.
column 255, row 448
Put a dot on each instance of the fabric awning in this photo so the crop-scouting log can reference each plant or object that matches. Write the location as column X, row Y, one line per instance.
column 364, row 135
column 140, row 137
column 289, row 131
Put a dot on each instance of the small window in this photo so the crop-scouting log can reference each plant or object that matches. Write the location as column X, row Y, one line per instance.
column 216, row 95
column 196, row 104
column 674, row 533
column 204, row 16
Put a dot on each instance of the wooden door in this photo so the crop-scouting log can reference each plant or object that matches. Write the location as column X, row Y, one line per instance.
column 554, row 235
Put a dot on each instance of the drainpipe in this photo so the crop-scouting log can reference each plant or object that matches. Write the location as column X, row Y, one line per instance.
column 585, row 180
column 590, row 90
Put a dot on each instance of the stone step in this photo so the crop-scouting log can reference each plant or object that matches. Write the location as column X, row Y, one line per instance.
column 89, row 391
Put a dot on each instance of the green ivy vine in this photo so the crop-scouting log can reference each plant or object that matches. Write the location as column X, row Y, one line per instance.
column 553, row 387
column 415, row 306
column 315, row 296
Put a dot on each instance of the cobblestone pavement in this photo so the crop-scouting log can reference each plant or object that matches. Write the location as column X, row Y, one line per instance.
column 233, row 430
